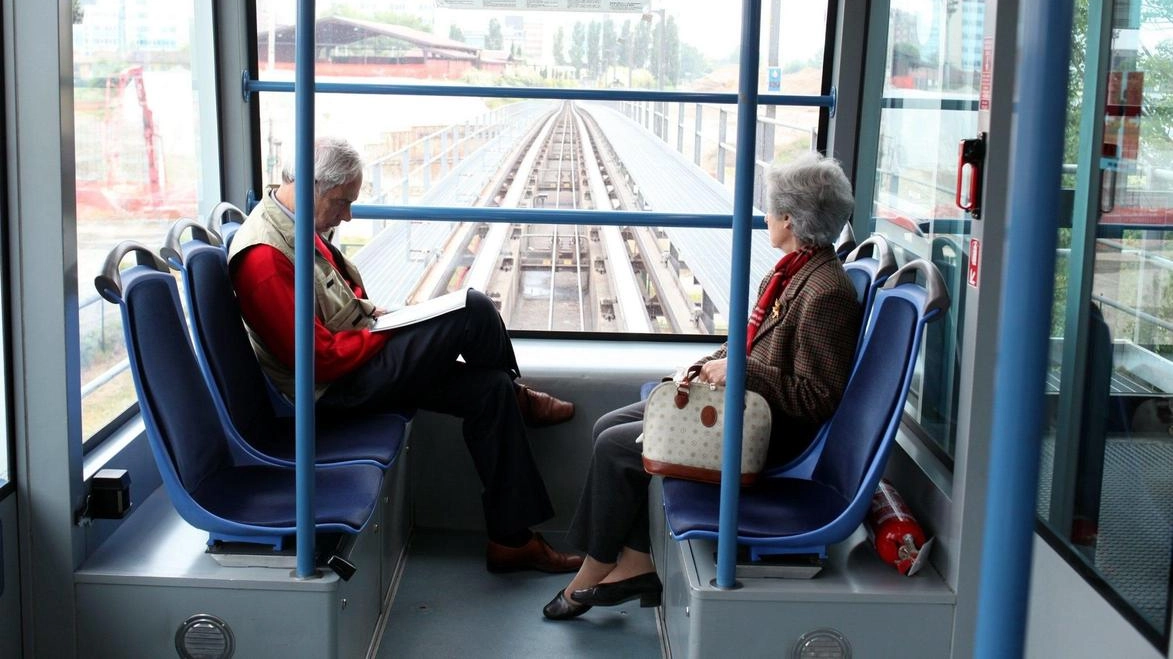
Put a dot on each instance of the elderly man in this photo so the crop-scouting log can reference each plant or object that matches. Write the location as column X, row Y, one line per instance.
column 357, row 370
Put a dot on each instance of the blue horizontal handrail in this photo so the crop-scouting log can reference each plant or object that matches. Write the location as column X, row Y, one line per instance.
column 543, row 216
column 557, row 93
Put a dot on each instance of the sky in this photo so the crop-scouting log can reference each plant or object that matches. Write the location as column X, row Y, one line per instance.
column 712, row 26
column 800, row 31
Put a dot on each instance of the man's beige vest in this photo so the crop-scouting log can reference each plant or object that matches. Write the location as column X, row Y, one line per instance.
column 336, row 305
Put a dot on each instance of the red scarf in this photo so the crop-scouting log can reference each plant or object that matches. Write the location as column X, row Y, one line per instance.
column 786, row 267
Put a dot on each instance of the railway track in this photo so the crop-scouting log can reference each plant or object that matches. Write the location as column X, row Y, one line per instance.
column 593, row 278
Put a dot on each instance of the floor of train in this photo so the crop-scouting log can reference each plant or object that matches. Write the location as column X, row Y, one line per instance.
column 448, row 605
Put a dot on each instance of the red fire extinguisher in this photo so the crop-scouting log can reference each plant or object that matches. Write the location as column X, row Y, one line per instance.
column 894, row 532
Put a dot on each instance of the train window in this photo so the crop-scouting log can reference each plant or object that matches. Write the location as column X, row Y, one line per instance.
column 138, row 166
column 602, row 155
column 1106, row 459
column 930, row 102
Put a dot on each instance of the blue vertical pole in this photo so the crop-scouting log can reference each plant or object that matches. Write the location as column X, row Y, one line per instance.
column 747, row 112
column 304, row 285
column 1024, row 324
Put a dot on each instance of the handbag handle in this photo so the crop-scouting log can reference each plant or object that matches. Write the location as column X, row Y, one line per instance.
column 681, row 399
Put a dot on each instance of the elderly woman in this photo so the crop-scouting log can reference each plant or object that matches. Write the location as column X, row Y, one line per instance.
column 800, row 344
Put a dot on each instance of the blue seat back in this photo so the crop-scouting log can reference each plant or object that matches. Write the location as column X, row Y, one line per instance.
column 868, row 266
column 245, row 399
column 860, row 433
column 943, row 341
column 221, row 341
column 861, row 280
column 183, row 427
column 224, row 219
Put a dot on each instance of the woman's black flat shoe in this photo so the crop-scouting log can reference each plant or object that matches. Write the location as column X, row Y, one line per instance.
column 561, row 608
column 646, row 587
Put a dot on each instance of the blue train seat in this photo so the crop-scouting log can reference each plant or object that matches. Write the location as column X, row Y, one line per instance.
column 224, row 219
column 233, row 499
column 795, row 515
column 868, row 266
column 239, row 386
column 845, row 242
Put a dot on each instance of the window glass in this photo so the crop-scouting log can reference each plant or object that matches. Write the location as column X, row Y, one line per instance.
column 594, row 155
column 137, row 146
column 1111, row 455
column 930, row 103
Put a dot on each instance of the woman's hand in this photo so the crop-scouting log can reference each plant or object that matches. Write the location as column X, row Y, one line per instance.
column 712, row 372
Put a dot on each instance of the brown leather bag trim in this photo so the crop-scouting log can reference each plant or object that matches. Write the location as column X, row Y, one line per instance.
column 701, row 474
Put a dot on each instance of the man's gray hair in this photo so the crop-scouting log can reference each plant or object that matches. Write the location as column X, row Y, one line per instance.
column 336, row 163
column 816, row 194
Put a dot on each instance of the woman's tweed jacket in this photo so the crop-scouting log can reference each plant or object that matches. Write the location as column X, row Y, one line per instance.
column 801, row 358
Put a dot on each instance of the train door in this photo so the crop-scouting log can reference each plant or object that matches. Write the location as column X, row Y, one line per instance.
column 942, row 130
column 1108, row 451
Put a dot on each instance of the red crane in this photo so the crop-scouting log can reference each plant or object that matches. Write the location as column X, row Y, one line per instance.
column 114, row 86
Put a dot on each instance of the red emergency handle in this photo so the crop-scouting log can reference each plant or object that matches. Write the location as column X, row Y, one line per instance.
column 895, row 533
column 971, row 153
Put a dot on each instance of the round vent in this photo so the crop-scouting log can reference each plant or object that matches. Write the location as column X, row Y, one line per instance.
column 822, row 644
column 204, row 636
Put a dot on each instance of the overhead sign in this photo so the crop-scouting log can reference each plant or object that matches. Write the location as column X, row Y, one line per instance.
column 774, row 79
column 611, row 6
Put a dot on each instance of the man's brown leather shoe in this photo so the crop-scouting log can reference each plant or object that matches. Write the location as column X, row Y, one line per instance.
column 537, row 554
column 541, row 409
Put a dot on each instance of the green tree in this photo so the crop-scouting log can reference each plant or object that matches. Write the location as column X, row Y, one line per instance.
column 658, row 45
column 559, row 48
column 1157, row 110
column 592, row 44
column 578, row 47
column 643, row 40
column 494, row 40
column 623, row 55
column 455, row 34
column 608, row 49
column 1075, row 85
column 672, row 52
column 693, row 64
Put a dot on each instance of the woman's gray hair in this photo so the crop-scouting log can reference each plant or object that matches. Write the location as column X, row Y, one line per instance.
column 815, row 192
column 336, row 163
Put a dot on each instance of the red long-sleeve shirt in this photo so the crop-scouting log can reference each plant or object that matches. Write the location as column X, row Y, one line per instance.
column 263, row 279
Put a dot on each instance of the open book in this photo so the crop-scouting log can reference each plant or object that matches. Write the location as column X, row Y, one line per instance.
column 415, row 313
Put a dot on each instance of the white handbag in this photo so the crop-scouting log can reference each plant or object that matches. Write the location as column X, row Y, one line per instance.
column 683, row 428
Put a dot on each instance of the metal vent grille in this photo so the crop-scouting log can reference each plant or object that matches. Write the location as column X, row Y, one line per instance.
column 822, row 644
column 204, row 636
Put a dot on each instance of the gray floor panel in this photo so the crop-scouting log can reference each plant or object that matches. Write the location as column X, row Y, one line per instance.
column 1132, row 551
column 448, row 605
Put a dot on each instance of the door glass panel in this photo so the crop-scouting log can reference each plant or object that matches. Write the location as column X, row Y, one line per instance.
column 930, row 103
column 1118, row 442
